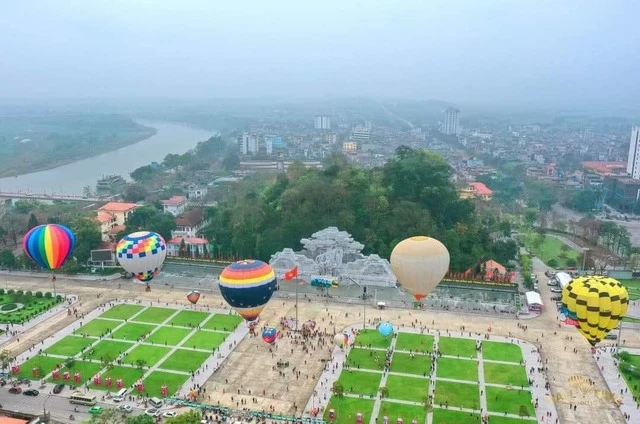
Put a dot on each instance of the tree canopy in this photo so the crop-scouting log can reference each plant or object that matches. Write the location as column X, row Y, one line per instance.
column 150, row 218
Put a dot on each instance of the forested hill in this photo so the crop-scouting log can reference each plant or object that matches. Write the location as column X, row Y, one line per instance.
column 411, row 195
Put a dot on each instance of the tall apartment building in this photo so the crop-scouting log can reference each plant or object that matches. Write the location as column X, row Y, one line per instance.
column 322, row 122
column 451, row 125
column 249, row 143
column 360, row 134
column 633, row 161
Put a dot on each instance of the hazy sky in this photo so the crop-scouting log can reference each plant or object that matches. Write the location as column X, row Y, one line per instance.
column 558, row 52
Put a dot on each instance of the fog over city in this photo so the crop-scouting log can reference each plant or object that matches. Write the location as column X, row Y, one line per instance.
column 545, row 53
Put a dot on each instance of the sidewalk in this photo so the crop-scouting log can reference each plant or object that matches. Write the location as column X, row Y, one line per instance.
column 616, row 382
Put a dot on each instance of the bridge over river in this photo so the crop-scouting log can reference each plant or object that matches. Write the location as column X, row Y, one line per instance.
column 10, row 195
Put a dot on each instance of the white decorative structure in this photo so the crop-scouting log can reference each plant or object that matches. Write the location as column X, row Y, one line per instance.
column 331, row 252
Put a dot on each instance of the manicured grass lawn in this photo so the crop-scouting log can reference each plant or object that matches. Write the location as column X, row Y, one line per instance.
column 188, row 318
column 223, row 322
column 168, row 335
column 447, row 416
column 149, row 354
column 457, row 347
column 419, row 364
column 499, row 419
column 373, row 338
column 32, row 306
column 459, row 369
column 86, row 370
column 633, row 287
column 111, row 347
column 46, row 363
column 626, row 362
column 498, row 351
column 413, row 342
column 153, row 383
column 346, row 409
column 398, row 410
column 365, row 383
column 155, row 315
column 132, row 331
column 365, row 358
column 510, row 401
column 407, row 388
column 514, row 375
column 184, row 360
column 122, row 312
column 550, row 248
column 127, row 374
column 97, row 327
column 458, row 394
column 208, row 340
column 69, row 346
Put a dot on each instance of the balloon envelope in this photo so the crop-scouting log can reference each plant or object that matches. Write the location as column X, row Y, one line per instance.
column 193, row 296
column 385, row 328
column 598, row 303
column 49, row 245
column 142, row 253
column 269, row 335
column 420, row 263
column 247, row 286
column 341, row 339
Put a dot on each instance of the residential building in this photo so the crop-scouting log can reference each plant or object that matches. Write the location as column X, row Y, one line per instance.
column 322, row 122
column 451, row 124
column 193, row 247
column 622, row 194
column 119, row 210
column 190, row 223
column 106, row 222
column 249, row 143
column 349, row 146
column 268, row 144
column 476, row 190
column 196, row 192
column 633, row 160
column 175, row 205
column 360, row 134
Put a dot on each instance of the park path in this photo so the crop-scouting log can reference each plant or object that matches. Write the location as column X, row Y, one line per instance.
column 383, row 382
column 432, row 386
column 615, row 381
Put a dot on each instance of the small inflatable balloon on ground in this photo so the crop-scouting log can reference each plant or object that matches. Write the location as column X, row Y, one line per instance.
column 269, row 335
column 247, row 287
column 142, row 253
column 193, row 296
column 598, row 303
column 385, row 329
column 49, row 246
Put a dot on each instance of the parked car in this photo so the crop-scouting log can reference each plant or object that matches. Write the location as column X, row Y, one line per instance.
column 170, row 414
column 126, row 408
column 118, row 398
column 15, row 390
column 153, row 412
column 611, row 337
column 555, row 290
column 58, row 388
column 31, row 392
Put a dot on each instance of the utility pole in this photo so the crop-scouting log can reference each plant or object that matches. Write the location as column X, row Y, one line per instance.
column 584, row 258
column 296, row 283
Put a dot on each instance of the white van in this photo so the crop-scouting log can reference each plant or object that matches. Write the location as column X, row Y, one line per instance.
column 155, row 402
column 120, row 395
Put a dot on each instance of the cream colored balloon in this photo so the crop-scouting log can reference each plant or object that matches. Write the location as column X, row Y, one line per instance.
column 420, row 263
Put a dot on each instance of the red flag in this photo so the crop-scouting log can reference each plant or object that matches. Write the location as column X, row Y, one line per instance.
column 291, row 274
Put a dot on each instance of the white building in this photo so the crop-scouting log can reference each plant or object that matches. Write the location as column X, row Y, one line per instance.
column 322, row 122
column 249, row 143
column 268, row 143
column 360, row 134
column 196, row 192
column 633, row 161
column 451, row 125
column 175, row 205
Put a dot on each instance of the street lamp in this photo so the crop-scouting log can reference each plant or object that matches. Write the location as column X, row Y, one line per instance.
column 584, row 257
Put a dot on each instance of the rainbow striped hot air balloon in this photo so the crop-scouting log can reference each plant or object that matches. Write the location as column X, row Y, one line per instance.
column 49, row 245
column 142, row 253
column 247, row 286
column 193, row 296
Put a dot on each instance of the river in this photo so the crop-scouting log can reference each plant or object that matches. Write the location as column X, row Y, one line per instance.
column 73, row 177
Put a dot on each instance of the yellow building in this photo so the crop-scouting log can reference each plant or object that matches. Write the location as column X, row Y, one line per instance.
column 349, row 146
column 476, row 190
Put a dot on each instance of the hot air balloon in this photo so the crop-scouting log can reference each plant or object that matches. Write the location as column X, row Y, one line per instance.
column 385, row 328
column 142, row 254
column 598, row 303
column 247, row 286
column 341, row 340
column 420, row 263
column 49, row 245
column 193, row 296
column 269, row 335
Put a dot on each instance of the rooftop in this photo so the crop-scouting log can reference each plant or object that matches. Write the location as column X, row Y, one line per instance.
column 190, row 218
column 188, row 240
column 481, row 189
column 103, row 217
column 118, row 207
column 605, row 167
column 174, row 201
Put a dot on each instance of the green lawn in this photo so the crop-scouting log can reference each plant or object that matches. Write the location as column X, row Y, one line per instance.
column 132, row 331
column 366, row 358
column 458, row 394
column 184, row 360
column 45, row 363
column 413, row 342
column 188, row 318
column 168, row 336
column 372, row 338
column 69, row 346
column 155, row 315
column 365, row 383
column 153, row 383
column 97, row 327
column 86, row 370
column 419, row 364
column 346, row 409
column 633, row 287
column 497, row 351
column 514, row 375
column 550, row 248
column 208, row 340
column 413, row 389
column 127, row 374
column 458, row 369
column 447, row 416
column 628, row 366
column 122, row 312
column 500, row 419
column 395, row 410
column 510, row 401
column 32, row 306
column 111, row 347
column 223, row 322
column 457, row 347
column 149, row 354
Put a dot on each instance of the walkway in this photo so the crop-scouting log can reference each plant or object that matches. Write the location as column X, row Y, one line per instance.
column 616, row 382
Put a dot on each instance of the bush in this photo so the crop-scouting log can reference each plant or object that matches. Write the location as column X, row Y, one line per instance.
column 572, row 262
column 29, row 293
column 11, row 291
column 48, row 295
column 20, row 292
column 38, row 294
column 1, row 291
column 59, row 298
column 553, row 263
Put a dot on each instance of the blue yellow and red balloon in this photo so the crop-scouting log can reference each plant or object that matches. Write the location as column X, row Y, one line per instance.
column 385, row 329
column 142, row 253
column 247, row 286
column 269, row 334
column 49, row 245
column 193, row 296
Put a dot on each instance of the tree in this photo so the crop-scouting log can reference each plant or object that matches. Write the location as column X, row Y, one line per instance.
column 33, row 222
column 338, row 389
column 134, row 192
column 6, row 357
column 384, row 391
column 553, row 263
column 141, row 419
column 88, row 237
column 530, row 217
column 107, row 361
column 190, row 417
column 3, row 235
column 231, row 161
column 145, row 173
column 25, row 262
column 8, row 259
column 140, row 364
column 152, row 219
column 69, row 362
column 572, row 262
column 107, row 416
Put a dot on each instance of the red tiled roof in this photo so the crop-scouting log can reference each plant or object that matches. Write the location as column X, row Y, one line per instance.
column 491, row 265
column 174, row 201
column 115, row 230
column 190, row 218
column 481, row 189
column 605, row 167
column 9, row 420
column 188, row 240
column 103, row 217
column 118, row 207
